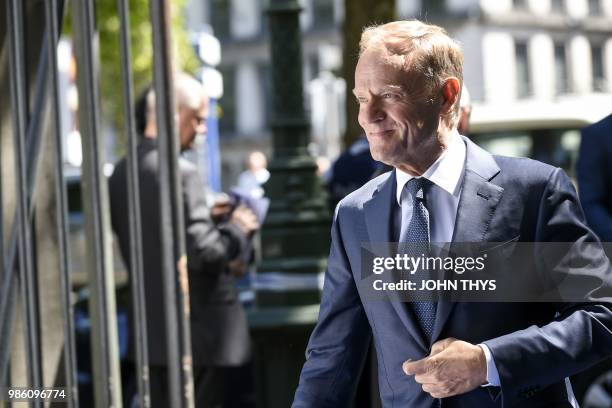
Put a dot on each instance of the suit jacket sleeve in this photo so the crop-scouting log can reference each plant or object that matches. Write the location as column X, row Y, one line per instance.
column 581, row 334
column 208, row 247
column 594, row 179
column 338, row 345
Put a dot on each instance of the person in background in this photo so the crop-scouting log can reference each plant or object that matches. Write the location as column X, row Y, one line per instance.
column 251, row 180
column 465, row 111
column 594, row 171
column 352, row 169
column 323, row 166
column 219, row 330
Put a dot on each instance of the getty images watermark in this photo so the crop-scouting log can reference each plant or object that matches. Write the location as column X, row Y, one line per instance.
column 510, row 271
column 407, row 264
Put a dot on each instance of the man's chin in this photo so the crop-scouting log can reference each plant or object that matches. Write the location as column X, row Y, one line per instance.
column 382, row 157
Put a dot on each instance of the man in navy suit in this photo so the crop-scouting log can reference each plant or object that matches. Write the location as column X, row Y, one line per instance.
column 444, row 188
column 595, row 176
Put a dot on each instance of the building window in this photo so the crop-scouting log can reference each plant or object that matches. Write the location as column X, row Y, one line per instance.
column 432, row 7
column 220, row 18
column 265, row 21
column 519, row 4
column 265, row 74
column 523, row 79
column 323, row 13
column 227, row 103
column 311, row 71
column 597, row 63
column 595, row 8
column 561, row 71
column 557, row 6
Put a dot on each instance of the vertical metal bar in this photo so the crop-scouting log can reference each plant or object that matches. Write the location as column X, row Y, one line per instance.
column 52, row 13
column 3, row 272
column 6, row 327
column 26, row 271
column 7, row 289
column 171, row 208
column 33, row 143
column 136, row 268
column 105, row 351
column 2, row 257
column 35, row 300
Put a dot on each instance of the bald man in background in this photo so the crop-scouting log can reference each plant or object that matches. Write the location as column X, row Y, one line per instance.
column 219, row 329
column 465, row 112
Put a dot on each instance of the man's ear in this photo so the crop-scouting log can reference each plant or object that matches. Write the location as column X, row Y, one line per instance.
column 450, row 94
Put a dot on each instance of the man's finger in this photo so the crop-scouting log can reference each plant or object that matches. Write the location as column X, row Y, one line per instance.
column 440, row 345
column 432, row 388
column 430, row 377
column 415, row 367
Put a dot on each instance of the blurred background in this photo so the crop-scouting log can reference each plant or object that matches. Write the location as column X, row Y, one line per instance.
column 530, row 65
column 537, row 71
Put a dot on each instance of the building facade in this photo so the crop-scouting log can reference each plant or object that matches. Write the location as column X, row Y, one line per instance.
column 522, row 57
column 241, row 27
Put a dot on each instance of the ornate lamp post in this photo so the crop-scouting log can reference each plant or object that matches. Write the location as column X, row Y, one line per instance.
column 295, row 236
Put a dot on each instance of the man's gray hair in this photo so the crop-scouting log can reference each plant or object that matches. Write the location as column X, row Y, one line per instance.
column 423, row 48
column 188, row 92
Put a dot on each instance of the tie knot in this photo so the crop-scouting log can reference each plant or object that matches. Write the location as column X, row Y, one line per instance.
column 416, row 187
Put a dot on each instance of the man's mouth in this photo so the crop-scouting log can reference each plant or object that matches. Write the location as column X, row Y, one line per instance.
column 380, row 133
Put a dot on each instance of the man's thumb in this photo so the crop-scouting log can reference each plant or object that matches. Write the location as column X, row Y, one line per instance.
column 415, row 367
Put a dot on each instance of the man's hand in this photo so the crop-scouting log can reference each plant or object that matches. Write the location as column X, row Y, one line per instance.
column 237, row 268
column 245, row 219
column 454, row 367
column 221, row 209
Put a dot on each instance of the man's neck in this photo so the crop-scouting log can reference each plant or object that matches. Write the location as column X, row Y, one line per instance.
column 150, row 131
column 428, row 155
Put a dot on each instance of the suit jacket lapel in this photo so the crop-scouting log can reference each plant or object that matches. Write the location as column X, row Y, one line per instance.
column 378, row 216
column 377, row 211
column 477, row 203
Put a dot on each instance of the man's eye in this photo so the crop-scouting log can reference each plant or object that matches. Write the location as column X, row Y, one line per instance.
column 388, row 95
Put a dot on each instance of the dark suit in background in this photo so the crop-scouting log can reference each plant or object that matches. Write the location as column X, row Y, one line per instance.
column 219, row 329
column 594, row 170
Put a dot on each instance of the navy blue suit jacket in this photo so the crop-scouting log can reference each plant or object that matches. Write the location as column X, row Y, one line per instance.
column 535, row 345
column 594, row 170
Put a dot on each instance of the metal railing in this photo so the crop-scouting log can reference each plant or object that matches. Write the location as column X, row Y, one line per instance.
column 18, row 255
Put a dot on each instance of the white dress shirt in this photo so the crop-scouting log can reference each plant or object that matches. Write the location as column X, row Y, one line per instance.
column 446, row 175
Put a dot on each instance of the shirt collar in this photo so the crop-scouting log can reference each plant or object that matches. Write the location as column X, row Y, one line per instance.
column 445, row 172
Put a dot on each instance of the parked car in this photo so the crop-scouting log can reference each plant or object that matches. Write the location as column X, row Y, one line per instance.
column 552, row 136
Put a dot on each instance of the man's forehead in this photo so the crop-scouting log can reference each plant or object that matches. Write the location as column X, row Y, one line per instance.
column 372, row 71
column 204, row 102
column 382, row 87
column 379, row 55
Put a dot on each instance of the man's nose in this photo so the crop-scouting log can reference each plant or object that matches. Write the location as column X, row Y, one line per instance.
column 202, row 128
column 372, row 112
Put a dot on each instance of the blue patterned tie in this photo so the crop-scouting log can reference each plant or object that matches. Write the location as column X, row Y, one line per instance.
column 415, row 232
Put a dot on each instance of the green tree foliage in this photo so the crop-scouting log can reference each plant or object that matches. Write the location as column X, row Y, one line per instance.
column 141, row 37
